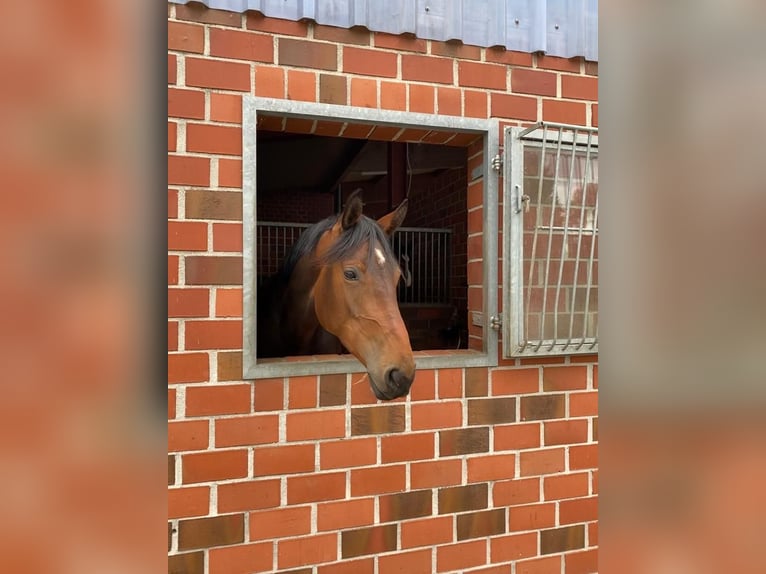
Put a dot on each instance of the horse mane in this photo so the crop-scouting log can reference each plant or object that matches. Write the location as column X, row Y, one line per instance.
column 365, row 231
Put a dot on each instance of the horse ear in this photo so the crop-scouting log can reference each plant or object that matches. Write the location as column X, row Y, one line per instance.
column 352, row 211
column 391, row 222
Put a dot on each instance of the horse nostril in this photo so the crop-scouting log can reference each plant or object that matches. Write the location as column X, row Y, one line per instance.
column 398, row 380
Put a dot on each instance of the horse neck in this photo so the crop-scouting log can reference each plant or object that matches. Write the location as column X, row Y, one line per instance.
column 300, row 316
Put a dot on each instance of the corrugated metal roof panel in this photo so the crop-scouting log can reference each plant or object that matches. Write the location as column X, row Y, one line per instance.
column 565, row 28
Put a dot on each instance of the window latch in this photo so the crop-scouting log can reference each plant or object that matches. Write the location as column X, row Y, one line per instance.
column 521, row 198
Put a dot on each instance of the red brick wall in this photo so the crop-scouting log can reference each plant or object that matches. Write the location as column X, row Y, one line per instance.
column 477, row 468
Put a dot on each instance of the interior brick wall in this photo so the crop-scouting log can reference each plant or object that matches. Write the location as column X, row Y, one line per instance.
column 477, row 469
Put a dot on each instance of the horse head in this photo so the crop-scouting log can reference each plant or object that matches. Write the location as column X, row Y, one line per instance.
column 355, row 296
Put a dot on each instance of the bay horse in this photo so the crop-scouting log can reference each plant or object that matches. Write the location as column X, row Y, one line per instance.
column 337, row 289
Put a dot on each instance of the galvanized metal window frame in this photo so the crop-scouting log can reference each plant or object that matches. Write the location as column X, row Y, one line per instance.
column 488, row 129
column 571, row 139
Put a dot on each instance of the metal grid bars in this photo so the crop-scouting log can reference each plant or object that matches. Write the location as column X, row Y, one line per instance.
column 423, row 253
column 553, row 240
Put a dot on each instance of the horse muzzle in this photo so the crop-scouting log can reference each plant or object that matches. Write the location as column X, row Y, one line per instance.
column 396, row 383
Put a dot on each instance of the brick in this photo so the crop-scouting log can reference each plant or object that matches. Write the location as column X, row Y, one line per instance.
column 463, row 441
column 508, row 57
column 218, row 270
column 582, row 457
column 424, row 386
column 475, row 104
column 197, row 13
column 545, row 461
column 533, row 82
column 269, row 82
column 416, row 562
column 373, row 540
column 416, row 446
column 565, row 432
column 316, row 487
column 428, row 532
column 345, row 514
column 172, row 69
column 280, row 523
column 187, row 236
column 364, row 93
column 307, row 54
column 514, row 107
column 250, row 495
column 421, row 98
column 241, row 559
column 172, row 203
column 172, row 269
column 532, row 516
column 302, row 392
column 426, row 69
column 456, row 50
column 378, row 480
column 202, row 204
column 310, row 550
column 229, row 173
column 463, row 498
column 481, row 524
column 171, row 403
column 172, row 136
column 444, row 414
column 188, row 302
column 363, row 566
column 332, row 89
column 187, row 563
column 377, row 420
column 225, row 108
column 347, row 453
column 476, row 75
column 227, row 237
column 301, row 85
column 594, row 115
column 491, row 411
column 217, row 400
column 565, row 486
column 213, row 531
column 186, row 502
column 450, row 383
column 186, row 37
column 188, row 368
column 209, row 466
column 188, row 104
column 393, row 96
column 579, row 87
column 593, row 534
column 557, row 540
column 578, row 510
column 355, row 35
column 268, row 394
column 581, row 562
column 369, row 62
column 187, row 435
column 448, row 101
column 171, row 469
column 233, row 76
column 205, row 138
column 228, row 303
column 515, row 381
column 476, row 382
column 492, row 467
column 583, row 404
column 435, row 473
column 564, row 112
column 405, row 505
column 542, row 407
column 256, row 21
column 239, row 45
column 569, row 378
column 332, row 390
column 283, row 459
column 401, row 42
column 213, row 334
column 559, row 64
column 459, row 556
column 183, row 170
column 245, row 431
column 517, row 491
column 539, row 565
column 513, row 547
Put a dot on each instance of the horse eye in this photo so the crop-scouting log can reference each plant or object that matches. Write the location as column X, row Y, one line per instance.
column 350, row 274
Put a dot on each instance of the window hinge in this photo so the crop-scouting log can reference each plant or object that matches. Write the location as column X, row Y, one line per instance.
column 495, row 322
column 497, row 163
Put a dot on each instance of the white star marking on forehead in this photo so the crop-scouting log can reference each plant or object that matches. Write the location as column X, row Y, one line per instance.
column 379, row 255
